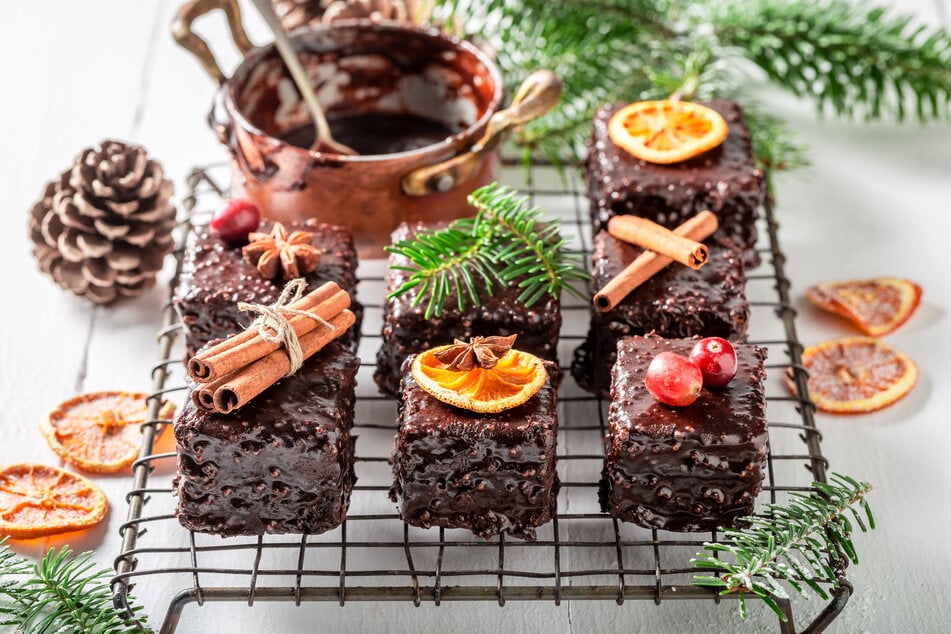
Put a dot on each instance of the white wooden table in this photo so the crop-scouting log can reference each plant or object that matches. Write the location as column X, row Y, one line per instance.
column 876, row 201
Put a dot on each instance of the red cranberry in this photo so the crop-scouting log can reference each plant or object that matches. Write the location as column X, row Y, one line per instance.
column 234, row 220
column 673, row 379
column 717, row 360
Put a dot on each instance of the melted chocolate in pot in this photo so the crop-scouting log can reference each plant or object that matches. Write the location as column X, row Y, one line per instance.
column 377, row 132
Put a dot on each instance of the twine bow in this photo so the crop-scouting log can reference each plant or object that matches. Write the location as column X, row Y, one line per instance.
column 274, row 327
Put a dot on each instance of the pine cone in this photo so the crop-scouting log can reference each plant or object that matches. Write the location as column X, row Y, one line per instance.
column 296, row 13
column 103, row 229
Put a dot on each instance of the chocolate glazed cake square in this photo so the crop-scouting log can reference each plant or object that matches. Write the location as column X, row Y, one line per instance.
column 283, row 463
column 690, row 468
column 490, row 473
column 677, row 302
column 406, row 330
column 724, row 180
column 215, row 277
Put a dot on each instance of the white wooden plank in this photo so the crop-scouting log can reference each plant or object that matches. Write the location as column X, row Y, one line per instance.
column 69, row 82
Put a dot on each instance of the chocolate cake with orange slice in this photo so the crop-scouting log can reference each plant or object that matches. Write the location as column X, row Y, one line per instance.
column 681, row 165
column 408, row 329
column 475, row 449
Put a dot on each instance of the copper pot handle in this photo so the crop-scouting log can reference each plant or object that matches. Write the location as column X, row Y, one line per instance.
column 187, row 39
column 537, row 95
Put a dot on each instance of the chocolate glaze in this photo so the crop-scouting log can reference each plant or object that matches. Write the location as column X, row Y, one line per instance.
column 405, row 330
column 490, row 473
column 377, row 132
column 283, row 463
column 677, row 302
column 724, row 180
column 684, row 468
column 215, row 277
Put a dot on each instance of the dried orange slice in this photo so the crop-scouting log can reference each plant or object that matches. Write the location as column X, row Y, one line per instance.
column 100, row 432
column 516, row 378
column 36, row 500
column 877, row 306
column 667, row 131
column 856, row 374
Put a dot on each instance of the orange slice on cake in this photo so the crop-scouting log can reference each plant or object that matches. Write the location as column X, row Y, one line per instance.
column 856, row 375
column 667, row 131
column 512, row 378
column 877, row 306
column 100, row 432
column 37, row 500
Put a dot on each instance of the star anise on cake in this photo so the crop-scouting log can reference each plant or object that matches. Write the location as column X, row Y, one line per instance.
column 276, row 252
column 482, row 351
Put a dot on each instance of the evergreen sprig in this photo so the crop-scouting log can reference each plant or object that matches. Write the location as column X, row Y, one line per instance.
column 506, row 243
column 64, row 593
column 799, row 543
column 849, row 58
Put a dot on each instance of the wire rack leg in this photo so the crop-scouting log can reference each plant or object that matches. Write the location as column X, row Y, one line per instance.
column 174, row 613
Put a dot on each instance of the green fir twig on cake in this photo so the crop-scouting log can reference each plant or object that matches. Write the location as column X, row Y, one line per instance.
column 506, row 243
column 62, row 593
column 800, row 544
column 850, row 58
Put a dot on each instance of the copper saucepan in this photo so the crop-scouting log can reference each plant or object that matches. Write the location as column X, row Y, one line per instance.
column 363, row 68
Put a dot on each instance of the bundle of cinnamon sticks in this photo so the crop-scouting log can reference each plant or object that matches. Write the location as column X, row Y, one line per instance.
column 234, row 371
column 662, row 247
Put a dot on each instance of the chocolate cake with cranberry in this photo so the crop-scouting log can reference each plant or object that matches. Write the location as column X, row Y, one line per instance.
column 283, row 463
column 215, row 277
column 489, row 473
column 676, row 302
column 724, row 180
column 407, row 330
column 690, row 468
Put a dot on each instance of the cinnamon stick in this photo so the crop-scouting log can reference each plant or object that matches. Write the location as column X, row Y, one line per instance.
column 649, row 263
column 230, row 392
column 654, row 237
column 245, row 348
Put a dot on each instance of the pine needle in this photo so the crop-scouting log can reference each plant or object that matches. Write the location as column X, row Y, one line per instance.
column 507, row 243
column 799, row 544
column 64, row 593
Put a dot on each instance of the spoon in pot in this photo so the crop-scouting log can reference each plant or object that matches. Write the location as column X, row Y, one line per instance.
column 323, row 139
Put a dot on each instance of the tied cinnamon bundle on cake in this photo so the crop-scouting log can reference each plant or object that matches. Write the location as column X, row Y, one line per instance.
column 286, row 333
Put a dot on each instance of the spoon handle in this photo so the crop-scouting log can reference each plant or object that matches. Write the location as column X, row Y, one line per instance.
column 289, row 55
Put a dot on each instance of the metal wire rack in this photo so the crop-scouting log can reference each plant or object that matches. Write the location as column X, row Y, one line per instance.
column 583, row 554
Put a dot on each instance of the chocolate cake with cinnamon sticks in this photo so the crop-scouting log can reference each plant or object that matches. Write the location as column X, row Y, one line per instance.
column 676, row 302
column 283, row 463
column 724, row 180
column 690, row 468
column 216, row 276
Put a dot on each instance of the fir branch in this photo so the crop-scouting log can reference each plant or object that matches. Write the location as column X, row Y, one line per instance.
column 506, row 243
column 774, row 145
column 64, row 593
column 799, row 543
column 851, row 59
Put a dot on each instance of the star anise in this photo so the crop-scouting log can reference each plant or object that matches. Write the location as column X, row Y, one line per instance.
column 482, row 351
column 276, row 252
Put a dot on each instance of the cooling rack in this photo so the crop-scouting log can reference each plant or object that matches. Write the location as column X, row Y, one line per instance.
column 582, row 555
